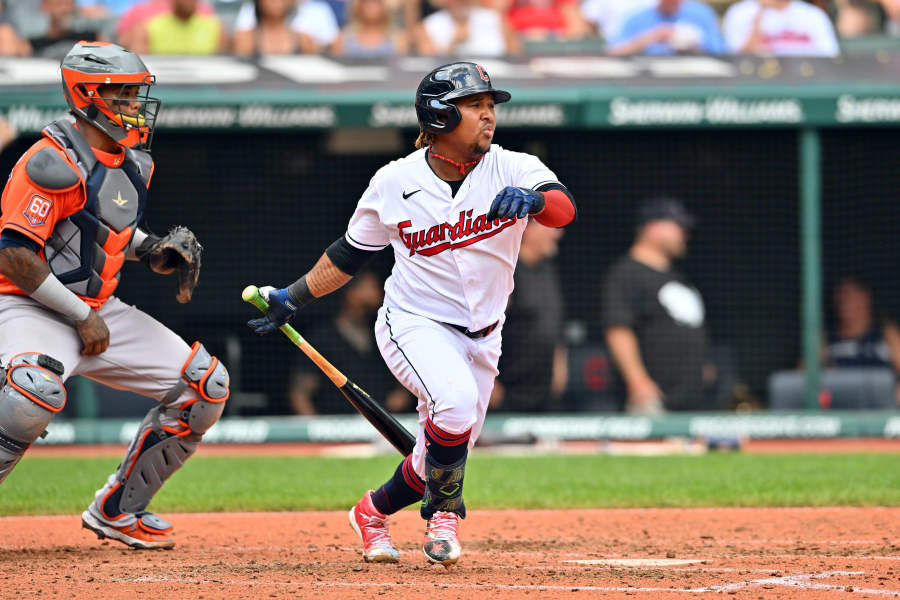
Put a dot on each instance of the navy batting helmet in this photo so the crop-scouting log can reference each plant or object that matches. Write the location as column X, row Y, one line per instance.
column 434, row 98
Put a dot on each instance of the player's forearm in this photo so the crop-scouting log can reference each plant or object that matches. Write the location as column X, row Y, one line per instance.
column 23, row 267
column 324, row 278
column 32, row 275
column 623, row 345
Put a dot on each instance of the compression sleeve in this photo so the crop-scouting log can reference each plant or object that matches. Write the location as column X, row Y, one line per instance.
column 559, row 206
column 53, row 294
column 348, row 258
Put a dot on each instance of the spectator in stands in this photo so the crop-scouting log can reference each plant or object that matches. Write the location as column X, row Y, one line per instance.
column 65, row 27
column 370, row 32
column 105, row 8
column 670, row 27
column 533, row 367
column 779, row 27
column 313, row 18
column 547, row 19
column 857, row 18
column 860, row 337
column 653, row 319
column 11, row 43
column 132, row 22
column 272, row 34
column 607, row 16
column 462, row 28
column 182, row 29
column 347, row 340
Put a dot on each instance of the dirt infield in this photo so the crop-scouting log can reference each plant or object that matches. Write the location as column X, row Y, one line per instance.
column 814, row 553
column 818, row 553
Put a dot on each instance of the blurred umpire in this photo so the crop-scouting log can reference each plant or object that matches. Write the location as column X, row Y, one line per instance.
column 653, row 319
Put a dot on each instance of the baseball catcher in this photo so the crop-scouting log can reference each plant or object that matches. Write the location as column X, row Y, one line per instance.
column 70, row 215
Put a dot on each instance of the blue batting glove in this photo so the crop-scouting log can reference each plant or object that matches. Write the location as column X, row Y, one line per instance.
column 516, row 202
column 281, row 309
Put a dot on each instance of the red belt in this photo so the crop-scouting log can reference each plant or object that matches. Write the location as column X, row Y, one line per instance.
column 475, row 335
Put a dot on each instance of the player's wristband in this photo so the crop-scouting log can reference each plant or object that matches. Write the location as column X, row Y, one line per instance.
column 299, row 292
column 141, row 244
column 53, row 294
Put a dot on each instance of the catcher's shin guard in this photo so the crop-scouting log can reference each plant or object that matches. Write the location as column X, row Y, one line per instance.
column 443, row 488
column 31, row 393
column 167, row 436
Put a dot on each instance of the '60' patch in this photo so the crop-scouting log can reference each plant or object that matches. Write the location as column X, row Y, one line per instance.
column 37, row 210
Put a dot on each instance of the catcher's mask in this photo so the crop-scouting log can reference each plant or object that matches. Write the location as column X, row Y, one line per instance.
column 435, row 108
column 98, row 78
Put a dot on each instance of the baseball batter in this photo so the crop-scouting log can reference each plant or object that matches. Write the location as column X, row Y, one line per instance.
column 454, row 212
column 70, row 214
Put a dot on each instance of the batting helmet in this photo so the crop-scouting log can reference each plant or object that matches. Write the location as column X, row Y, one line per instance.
column 434, row 98
column 90, row 65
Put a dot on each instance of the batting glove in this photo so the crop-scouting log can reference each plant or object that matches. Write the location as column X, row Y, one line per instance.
column 281, row 309
column 516, row 202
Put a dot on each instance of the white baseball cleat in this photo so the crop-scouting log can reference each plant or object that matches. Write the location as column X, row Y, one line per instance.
column 442, row 539
column 148, row 532
column 372, row 528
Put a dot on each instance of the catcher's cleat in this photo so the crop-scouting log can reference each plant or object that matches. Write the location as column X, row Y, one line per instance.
column 147, row 532
column 442, row 539
column 372, row 528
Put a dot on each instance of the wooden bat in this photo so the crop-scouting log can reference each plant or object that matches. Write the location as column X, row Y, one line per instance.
column 380, row 419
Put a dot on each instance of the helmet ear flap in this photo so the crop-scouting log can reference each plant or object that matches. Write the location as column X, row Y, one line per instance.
column 433, row 111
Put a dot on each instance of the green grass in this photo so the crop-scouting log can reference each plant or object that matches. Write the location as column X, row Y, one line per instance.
column 258, row 483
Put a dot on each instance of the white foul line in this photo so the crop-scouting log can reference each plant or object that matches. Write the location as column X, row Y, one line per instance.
column 799, row 581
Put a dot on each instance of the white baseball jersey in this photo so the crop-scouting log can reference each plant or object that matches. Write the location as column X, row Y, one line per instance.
column 451, row 264
column 800, row 29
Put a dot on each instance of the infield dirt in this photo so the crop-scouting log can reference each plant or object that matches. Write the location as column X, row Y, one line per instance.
column 820, row 553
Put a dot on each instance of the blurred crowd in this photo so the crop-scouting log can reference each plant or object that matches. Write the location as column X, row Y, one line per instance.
column 384, row 28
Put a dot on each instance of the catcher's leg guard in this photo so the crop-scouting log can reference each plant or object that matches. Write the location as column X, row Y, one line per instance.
column 166, row 438
column 31, row 393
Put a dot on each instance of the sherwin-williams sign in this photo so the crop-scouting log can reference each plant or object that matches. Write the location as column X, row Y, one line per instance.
column 302, row 92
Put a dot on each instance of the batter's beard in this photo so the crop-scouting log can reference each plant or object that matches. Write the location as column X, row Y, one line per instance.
column 480, row 150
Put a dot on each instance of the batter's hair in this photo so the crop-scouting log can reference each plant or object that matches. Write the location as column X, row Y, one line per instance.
column 426, row 138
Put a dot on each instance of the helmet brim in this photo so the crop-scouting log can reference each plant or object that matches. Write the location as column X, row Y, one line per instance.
column 500, row 96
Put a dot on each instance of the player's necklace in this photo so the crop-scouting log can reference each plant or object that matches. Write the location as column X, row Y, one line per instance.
column 458, row 165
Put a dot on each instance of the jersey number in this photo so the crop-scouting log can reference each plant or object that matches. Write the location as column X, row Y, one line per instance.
column 37, row 210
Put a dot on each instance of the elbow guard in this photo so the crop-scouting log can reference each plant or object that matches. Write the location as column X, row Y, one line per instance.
column 348, row 258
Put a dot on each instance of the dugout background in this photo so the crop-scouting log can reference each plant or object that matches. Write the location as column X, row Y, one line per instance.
column 265, row 205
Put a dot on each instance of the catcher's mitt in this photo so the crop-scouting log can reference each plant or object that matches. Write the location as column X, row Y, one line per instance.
column 178, row 251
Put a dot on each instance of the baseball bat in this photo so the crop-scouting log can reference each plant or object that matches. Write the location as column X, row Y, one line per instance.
column 382, row 420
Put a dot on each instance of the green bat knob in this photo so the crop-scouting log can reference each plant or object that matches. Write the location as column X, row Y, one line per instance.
column 251, row 295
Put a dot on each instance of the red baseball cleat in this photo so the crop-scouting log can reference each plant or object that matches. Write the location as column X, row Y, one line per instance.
column 372, row 528
column 148, row 532
column 442, row 538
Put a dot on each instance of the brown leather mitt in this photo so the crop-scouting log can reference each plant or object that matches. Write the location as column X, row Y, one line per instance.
column 178, row 251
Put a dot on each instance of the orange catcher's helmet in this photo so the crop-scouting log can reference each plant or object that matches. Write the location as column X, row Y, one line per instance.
column 97, row 77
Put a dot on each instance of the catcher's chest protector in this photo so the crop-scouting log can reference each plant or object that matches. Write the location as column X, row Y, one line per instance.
column 87, row 249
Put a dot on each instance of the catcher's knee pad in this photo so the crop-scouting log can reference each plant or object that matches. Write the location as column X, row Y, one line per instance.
column 31, row 393
column 160, row 449
column 209, row 378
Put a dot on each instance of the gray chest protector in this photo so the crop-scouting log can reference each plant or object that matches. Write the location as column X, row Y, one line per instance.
column 87, row 249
